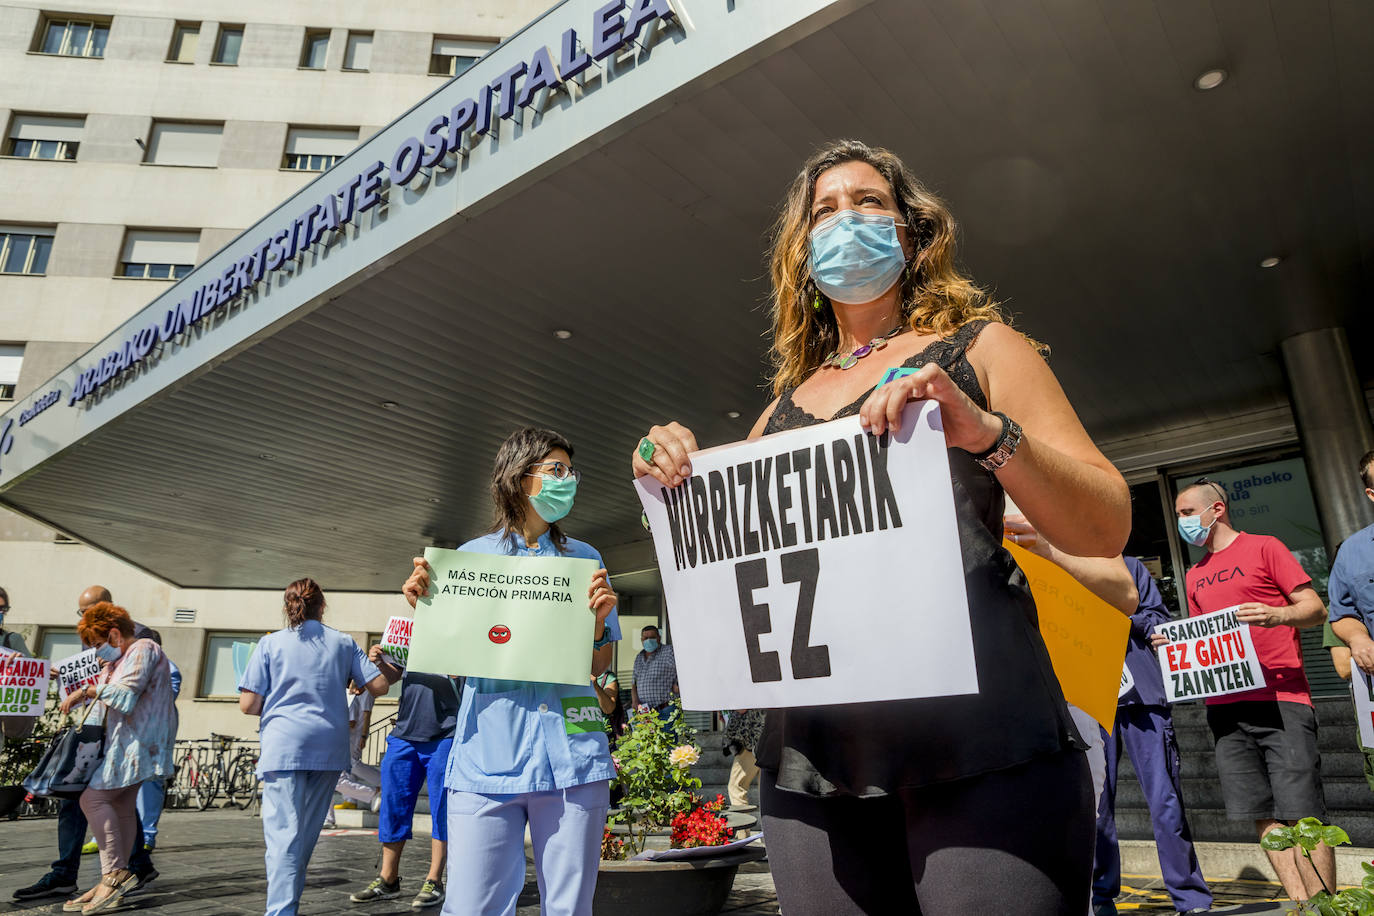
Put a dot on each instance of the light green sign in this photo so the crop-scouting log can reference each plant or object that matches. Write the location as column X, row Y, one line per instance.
column 582, row 714
column 513, row 618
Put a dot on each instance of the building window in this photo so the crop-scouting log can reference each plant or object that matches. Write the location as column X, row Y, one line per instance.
column 316, row 48
column 451, row 56
column 314, row 149
column 358, row 55
column 58, row 643
column 44, row 137
column 183, row 143
column 227, row 47
column 151, row 254
column 24, row 250
column 75, row 37
column 11, row 360
column 185, row 39
column 217, row 676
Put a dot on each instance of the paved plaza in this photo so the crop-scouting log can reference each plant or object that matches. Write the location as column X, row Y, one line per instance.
column 211, row 862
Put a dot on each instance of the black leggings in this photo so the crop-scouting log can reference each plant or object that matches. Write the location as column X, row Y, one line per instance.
column 1016, row 841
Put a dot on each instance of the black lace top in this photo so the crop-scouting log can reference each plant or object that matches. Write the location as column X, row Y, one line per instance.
column 869, row 749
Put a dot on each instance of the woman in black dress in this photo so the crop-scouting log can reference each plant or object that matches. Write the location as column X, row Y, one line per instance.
column 951, row 805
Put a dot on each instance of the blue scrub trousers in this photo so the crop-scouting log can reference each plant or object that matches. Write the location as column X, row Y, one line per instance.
column 151, row 796
column 294, row 803
column 488, row 873
column 1148, row 733
column 404, row 766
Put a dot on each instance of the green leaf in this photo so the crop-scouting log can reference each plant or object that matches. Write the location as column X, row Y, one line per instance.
column 1334, row 836
column 1368, row 868
column 1279, row 838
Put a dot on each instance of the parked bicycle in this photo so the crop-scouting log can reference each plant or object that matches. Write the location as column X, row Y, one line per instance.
column 206, row 769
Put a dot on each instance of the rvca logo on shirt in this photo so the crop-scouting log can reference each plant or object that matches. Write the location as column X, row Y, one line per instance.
column 1221, row 575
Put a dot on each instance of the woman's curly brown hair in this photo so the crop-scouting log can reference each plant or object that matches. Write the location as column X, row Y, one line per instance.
column 936, row 297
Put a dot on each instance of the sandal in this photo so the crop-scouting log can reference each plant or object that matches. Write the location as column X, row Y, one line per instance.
column 120, row 881
column 75, row 904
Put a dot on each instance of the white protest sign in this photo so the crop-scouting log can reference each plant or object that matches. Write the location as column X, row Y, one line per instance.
column 23, row 685
column 816, row 566
column 76, row 671
column 1127, row 682
column 1208, row 656
column 396, row 639
column 1364, row 704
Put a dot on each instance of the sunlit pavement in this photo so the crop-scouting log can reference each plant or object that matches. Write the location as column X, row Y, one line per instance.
column 212, row 862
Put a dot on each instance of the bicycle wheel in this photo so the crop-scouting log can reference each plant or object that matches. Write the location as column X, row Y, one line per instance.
column 204, row 779
column 181, row 790
column 243, row 779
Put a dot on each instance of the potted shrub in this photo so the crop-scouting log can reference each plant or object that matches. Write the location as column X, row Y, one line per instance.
column 660, row 806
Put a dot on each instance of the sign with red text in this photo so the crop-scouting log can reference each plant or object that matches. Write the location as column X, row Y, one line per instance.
column 1363, row 687
column 816, row 566
column 396, row 639
column 76, row 671
column 23, row 685
column 1210, row 655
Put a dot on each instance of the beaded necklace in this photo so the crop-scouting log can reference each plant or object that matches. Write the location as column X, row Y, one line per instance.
column 850, row 359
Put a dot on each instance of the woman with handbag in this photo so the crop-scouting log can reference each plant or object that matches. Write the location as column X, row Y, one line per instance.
column 134, row 701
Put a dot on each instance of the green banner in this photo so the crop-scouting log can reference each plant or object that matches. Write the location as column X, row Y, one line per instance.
column 512, row 618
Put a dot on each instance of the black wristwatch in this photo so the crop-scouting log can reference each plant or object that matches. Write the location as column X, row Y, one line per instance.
column 995, row 458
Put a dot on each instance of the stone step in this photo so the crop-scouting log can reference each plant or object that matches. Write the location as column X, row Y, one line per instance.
column 1243, row 859
column 1134, row 824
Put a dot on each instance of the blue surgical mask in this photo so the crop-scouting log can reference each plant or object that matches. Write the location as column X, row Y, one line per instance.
column 555, row 497
column 1192, row 530
column 107, row 652
column 651, row 645
column 855, row 257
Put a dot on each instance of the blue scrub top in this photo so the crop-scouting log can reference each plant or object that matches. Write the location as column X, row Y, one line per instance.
column 1351, row 585
column 524, row 736
column 301, row 675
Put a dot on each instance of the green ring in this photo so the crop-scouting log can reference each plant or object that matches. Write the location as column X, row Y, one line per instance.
column 646, row 449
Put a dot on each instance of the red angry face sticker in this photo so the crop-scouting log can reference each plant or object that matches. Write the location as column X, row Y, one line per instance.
column 499, row 634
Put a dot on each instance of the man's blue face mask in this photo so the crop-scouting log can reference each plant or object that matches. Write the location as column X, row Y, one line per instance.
column 1191, row 529
column 651, row 645
column 856, row 257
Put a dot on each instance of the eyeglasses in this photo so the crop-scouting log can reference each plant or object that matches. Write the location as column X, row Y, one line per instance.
column 557, row 470
column 1204, row 482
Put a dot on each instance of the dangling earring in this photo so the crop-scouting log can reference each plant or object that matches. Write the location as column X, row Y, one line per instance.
column 816, row 301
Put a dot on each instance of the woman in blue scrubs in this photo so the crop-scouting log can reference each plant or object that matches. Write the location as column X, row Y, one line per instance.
column 522, row 753
column 295, row 681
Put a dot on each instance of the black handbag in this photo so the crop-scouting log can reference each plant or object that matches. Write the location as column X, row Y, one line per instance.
column 69, row 762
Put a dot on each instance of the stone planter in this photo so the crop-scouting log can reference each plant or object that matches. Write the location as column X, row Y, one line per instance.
column 661, row 837
column 696, row 887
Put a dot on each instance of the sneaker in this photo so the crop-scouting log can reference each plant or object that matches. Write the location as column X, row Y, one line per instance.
column 431, row 894
column 378, row 890
column 143, row 881
column 46, row 886
column 90, row 847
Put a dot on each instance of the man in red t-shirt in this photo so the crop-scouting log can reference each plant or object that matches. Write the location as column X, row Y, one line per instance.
column 1266, row 739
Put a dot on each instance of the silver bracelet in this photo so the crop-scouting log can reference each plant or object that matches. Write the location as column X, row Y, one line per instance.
column 995, row 458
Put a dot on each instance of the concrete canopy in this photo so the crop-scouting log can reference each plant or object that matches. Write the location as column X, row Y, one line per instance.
column 347, row 416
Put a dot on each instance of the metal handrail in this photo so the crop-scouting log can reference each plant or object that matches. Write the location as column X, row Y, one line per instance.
column 375, row 745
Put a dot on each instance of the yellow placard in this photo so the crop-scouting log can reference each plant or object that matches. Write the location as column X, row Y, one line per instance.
column 1086, row 636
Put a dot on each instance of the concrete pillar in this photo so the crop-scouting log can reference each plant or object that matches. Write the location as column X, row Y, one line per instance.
column 1333, row 424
